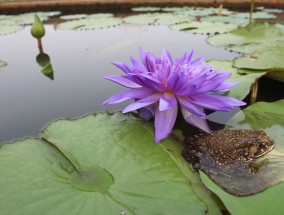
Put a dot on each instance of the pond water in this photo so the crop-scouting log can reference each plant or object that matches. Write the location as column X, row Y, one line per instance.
column 80, row 59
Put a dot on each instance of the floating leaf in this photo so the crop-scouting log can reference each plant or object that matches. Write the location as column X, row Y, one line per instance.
column 280, row 26
column 103, row 164
column 88, row 23
column 204, row 27
column 8, row 29
column 242, row 90
column 145, row 9
column 226, row 19
column 255, row 15
column 252, row 33
column 273, row 10
column 268, row 116
column 157, row 19
column 263, row 58
column 74, row 16
column 2, row 64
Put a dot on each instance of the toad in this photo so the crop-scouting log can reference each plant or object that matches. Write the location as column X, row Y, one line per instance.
column 227, row 151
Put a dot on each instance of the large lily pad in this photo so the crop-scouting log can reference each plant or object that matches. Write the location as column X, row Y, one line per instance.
column 252, row 33
column 242, row 90
column 146, row 9
column 226, row 19
column 268, row 116
column 204, row 27
column 264, row 57
column 103, row 164
column 157, row 19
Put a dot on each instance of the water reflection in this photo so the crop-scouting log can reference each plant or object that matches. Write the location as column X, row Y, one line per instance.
column 29, row 100
column 44, row 61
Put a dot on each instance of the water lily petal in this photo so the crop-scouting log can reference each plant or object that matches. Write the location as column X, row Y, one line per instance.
column 196, row 121
column 124, row 67
column 167, row 101
column 147, row 113
column 143, row 102
column 225, row 86
column 129, row 94
column 190, row 107
column 215, row 102
column 164, row 123
column 122, row 80
column 174, row 82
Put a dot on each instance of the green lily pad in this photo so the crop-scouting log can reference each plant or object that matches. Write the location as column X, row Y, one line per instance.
column 268, row 116
column 204, row 27
column 255, row 15
column 243, row 89
column 273, row 10
column 252, row 33
column 280, row 26
column 226, row 19
column 74, row 16
column 157, row 19
column 90, row 22
column 8, row 29
column 262, row 57
column 103, row 164
column 145, row 9
column 2, row 64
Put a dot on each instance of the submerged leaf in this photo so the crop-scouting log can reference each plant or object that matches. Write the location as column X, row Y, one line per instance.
column 7, row 29
column 103, row 164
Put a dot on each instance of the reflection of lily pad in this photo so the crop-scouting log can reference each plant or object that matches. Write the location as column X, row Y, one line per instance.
column 242, row 90
column 157, row 19
column 252, row 33
column 204, row 27
column 90, row 22
column 269, row 116
column 98, row 164
column 2, row 64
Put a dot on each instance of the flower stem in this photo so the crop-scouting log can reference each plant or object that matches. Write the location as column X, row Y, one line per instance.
column 39, row 45
column 254, row 92
column 220, row 10
column 251, row 11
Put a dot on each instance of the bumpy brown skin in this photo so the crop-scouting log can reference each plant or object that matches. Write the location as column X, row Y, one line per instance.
column 226, row 149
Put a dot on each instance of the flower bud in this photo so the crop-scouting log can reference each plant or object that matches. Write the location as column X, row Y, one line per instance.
column 37, row 30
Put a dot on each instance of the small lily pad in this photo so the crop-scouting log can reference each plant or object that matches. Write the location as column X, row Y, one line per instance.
column 2, row 64
column 146, row 9
column 280, row 26
column 157, row 19
column 103, row 164
column 204, row 27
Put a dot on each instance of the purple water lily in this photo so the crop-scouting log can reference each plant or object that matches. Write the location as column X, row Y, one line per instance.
column 160, row 85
